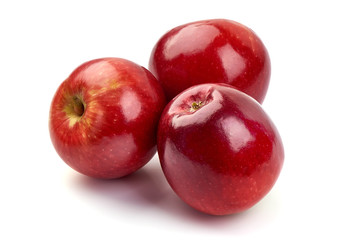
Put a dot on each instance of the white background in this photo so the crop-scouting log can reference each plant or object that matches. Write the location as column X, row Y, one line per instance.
column 313, row 99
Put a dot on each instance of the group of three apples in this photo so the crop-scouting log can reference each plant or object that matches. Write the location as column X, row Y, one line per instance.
column 198, row 107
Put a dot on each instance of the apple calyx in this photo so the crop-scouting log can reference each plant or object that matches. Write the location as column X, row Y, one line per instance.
column 196, row 105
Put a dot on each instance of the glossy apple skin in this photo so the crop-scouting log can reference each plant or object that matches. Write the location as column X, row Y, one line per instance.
column 222, row 156
column 211, row 51
column 116, row 134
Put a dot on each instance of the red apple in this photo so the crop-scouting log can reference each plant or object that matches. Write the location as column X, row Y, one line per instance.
column 104, row 116
column 211, row 51
column 218, row 149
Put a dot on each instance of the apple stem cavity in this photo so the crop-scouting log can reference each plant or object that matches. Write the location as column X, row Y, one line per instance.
column 78, row 106
column 75, row 109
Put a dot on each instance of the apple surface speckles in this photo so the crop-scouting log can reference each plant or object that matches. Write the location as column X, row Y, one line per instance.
column 222, row 157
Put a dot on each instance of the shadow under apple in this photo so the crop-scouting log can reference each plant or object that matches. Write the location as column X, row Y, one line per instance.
column 148, row 188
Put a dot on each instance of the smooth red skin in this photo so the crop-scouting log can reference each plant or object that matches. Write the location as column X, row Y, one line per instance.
column 117, row 132
column 222, row 158
column 211, row 51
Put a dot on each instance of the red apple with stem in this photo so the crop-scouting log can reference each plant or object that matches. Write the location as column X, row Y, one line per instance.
column 104, row 116
column 211, row 51
column 218, row 149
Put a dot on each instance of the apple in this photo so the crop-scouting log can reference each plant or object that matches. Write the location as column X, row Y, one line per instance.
column 218, row 149
column 103, row 118
column 211, row 51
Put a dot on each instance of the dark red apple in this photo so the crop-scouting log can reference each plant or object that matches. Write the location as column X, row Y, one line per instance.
column 104, row 116
column 218, row 149
column 211, row 51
